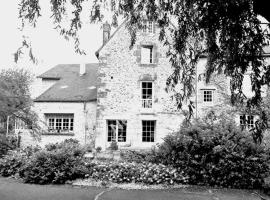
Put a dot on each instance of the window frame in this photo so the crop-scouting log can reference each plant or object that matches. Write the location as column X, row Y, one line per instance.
column 148, row 27
column 148, row 100
column 116, row 136
column 150, row 57
column 208, row 98
column 245, row 123
column 56, row 122
column 150, row 134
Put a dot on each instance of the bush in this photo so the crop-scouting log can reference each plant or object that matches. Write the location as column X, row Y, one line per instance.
column 216, row 154
column 98, row 149
column 113, row 146
column 138, row 156
column 124, row 172
column 11, row 163
column 56, row 164
column 6, row 144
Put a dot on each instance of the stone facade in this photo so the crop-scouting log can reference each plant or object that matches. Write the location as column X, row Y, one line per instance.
column 119, row 89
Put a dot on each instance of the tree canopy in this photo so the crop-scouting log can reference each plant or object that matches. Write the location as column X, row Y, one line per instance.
column 227, row 32
column 15, row 100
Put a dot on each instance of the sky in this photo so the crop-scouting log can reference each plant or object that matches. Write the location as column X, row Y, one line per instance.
column 48, row 46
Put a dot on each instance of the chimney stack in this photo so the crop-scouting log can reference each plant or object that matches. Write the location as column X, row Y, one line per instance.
column 82, row 69
column 106, row 32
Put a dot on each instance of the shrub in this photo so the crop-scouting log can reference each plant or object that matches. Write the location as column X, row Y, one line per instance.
column 6, row 144
column 113, row 146
column 11, row 163
column 56, row 164
column 98, row 149
column 216, row 154
column 134, row 156
column 125, row 172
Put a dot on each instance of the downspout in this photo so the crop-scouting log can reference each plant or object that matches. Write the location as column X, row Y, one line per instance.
column 196, row 93
column 7, row 125
column 85, row 121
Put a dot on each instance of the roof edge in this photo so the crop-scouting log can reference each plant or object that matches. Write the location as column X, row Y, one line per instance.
column 118, row 28
column 64, row 101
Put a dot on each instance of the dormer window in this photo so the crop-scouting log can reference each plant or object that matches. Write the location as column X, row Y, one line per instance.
column 148, row 27
column 146, row 54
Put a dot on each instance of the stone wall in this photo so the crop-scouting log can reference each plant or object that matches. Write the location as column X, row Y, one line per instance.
column 119, row 89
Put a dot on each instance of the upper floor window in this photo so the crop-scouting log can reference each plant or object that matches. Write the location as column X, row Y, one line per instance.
column 117, row 130
column 147, row 94
column 208, row 95
column 247, row 121
column 147, row 54
column 60, row 123
column 148, row 27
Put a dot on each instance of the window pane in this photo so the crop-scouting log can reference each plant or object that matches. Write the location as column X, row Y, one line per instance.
column 207, row 95
column 146, row 54
column 122, row 130
column 148, row 130
column 59, row 122
column 111, row 130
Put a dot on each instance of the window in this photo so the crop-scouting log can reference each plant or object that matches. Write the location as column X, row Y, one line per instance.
column 148, row 130
column 208, row 95
column 147, row 94
column 147, row 54
column 247, row 121
column 20, row 124
column 60, row 123
column 117, row 130
column 148, row 27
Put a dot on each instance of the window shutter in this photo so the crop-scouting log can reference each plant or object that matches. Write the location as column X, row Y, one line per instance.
column 145, row 55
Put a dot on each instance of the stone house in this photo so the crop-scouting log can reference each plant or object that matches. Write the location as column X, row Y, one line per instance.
column 123, row 97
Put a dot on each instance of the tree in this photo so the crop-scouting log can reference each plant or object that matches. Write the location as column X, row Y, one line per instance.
column 15, row 100
column 227, row 32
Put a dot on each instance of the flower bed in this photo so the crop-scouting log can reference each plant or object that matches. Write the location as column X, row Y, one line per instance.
column 124, row 172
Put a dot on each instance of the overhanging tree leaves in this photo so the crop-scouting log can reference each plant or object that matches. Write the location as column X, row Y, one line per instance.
column 227, row 32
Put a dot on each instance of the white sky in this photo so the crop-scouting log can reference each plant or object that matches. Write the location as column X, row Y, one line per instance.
column 49, row 47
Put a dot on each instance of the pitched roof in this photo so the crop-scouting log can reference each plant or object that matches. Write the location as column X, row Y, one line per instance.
column 118, row 28
column 70, row 87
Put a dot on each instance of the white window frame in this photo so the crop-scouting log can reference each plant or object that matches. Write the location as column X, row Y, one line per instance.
column 56, row 122
column 147, row 54
column 148, row 26
column 147, row 103
column 116, row 136
column 150, row 134
column 248, row 122
column 206, row 97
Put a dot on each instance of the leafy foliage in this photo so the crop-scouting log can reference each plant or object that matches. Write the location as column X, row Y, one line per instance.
column 15, row 100
column 216, row 153
column 56, row 164
column 6, row 144
column 125, row 172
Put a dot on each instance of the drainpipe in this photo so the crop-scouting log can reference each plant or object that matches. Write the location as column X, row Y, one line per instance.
column 196, row 92
column 85, row 121
column 7, row 125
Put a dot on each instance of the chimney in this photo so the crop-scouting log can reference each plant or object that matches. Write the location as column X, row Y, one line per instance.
column 82, row 69
column 106, row 32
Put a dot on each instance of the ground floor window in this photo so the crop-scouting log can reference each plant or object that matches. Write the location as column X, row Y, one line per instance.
column 148, row 130
column 117, row 130
column 247, row 121
column 60, row 122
